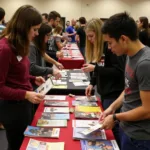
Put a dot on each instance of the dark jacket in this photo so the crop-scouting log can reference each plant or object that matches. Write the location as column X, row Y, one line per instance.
column 110, row 77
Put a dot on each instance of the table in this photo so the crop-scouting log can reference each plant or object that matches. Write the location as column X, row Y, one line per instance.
column 76, row 90
column 72, row 59
column 66, row 134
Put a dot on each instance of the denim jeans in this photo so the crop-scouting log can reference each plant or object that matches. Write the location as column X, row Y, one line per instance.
column 128, row 143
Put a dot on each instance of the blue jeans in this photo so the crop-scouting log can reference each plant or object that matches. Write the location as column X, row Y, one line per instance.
column 128, row 143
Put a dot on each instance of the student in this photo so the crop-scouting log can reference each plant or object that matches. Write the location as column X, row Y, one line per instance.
column 80, row 36
column 16, row 95
column 109, row 78
column 143, row 30
column 121, row 33
column 57, row 34
column 2, row 15
column 52, row 51
column 37, row 51
column 45, row 18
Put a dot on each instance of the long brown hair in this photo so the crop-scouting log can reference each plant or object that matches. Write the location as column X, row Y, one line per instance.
column 18, row 29
column 44, row 30
column 94, row 51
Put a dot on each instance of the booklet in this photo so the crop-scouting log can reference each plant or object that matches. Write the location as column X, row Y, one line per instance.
column 42, row 132
column 50, row 116
column 81, row 83
column 85, row 98
column 51, row 123
column 56, row 109
column 83, row 123
column 84, row 103
column 54, row 97
column 45, row 87
column 59, row 82
column 97, row 135
column 42, row 145
column 87, row 109
column 87, row 115
column 99, row 145
column 56, row 103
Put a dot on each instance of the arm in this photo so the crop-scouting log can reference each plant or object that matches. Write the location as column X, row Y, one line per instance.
column 35, row 69
column 77, row 38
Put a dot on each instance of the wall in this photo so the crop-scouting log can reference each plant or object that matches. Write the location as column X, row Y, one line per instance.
column 76, row 8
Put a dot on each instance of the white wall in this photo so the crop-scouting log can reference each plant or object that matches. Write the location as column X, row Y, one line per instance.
column 76, row 8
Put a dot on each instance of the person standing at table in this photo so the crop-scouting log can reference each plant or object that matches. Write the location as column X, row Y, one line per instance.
column 16, row 95
column 45, row 18
column 53, row 20
column 109, row 78
column 80, row 36
column 135, row 99
column 37, row 54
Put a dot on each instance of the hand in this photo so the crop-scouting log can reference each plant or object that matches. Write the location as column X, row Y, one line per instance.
column 56, row 74
column 34, row 97
column 104, row 114
column 88, row 67
column 88, row 90
column 39, row 80
column 108, row 122
column 59, row 65
column 59, row 54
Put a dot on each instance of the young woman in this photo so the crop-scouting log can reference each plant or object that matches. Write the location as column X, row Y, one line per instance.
column 109, row 78
column 16, row 95
column 37, row 51
column 57, row 34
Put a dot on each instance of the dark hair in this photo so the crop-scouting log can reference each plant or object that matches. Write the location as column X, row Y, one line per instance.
column 2, row 13
column 46, row 15
column 39, row 40
column 18, row 28
column 120, row 24
column 144, row 20
column 82, row 20
column 53, row 15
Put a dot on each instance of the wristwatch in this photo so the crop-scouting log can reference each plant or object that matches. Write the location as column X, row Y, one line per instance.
column 114, row 117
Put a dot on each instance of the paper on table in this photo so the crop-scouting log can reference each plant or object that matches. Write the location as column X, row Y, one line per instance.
column 81, row 83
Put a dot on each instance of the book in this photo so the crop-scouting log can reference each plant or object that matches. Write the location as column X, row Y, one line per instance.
column 54, row 97
column 83, row 123
column 85, row 98
column 83, row 103
column 97, row 135
column 87, row 115
column 45, row 87
column 92, row 129
column 56, row 103
column 41, row 145
column 87, row 109
column 56, row 109
column 42, row 132
column 50, row 116
column 99, row 145
column 51, row 123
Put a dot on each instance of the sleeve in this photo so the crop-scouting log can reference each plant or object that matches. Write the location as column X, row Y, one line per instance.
column 93, row 78
column 5, row 91
column 35, row 69
column 78, row 31
column 143, row 75
column 32, row 79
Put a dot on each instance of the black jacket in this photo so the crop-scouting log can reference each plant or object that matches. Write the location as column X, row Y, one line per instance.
column 110, row 77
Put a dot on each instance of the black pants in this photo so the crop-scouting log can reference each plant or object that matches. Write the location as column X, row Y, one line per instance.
column 15, row 116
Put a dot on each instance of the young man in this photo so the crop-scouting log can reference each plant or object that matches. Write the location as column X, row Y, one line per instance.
column 2, row 15
column 45, row 18
column 121, row 33
column 52, row 51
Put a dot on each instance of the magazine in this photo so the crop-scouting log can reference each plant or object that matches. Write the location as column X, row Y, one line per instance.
column 97, row 135
column 45, row 87
column 83, row 103
column 42, row 132
column 41, row 145
column 50, row 116
column 51, row 123
column 87, row 109
column 56, row 103
column 85, row 98
column 56, row 109
column 87, row 115
column 99, row 145
column 83, row 123
column 54, row 97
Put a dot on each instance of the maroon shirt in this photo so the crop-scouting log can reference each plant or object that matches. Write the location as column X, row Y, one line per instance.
column 14, row 74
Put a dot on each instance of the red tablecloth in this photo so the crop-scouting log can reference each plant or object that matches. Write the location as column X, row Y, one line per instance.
column 72, row 63
column 66, row 134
